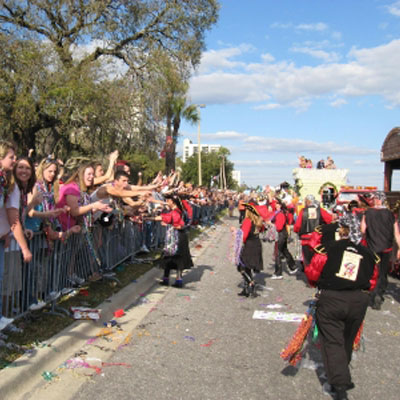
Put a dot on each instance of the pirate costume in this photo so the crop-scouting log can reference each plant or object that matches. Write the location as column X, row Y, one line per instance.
column 251, row 253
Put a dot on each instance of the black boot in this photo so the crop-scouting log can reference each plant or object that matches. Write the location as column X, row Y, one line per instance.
column 245, row 291
column 252, row 289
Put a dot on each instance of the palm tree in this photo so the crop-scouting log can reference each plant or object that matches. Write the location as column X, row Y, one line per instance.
column 178, row 109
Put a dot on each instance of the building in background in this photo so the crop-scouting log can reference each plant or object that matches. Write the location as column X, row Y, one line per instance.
column 236, row 177
column 189, row 149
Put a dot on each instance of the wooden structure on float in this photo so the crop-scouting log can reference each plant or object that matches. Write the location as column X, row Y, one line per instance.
column 390, row 155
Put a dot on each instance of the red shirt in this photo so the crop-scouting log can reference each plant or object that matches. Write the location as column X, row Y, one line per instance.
column 174, row 217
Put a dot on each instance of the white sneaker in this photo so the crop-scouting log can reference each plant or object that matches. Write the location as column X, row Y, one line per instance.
column 37, row 306
column 276, row 277
column 4, row 322
column 293, row 271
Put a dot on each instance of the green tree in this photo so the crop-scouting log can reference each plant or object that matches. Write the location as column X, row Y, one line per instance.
column 77, row 38
column 211, row 167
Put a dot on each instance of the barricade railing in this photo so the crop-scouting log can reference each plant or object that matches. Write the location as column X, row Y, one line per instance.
column 57, row 267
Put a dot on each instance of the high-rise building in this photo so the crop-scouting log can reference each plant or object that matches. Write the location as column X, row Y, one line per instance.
column 189, row 149
column 236, row 176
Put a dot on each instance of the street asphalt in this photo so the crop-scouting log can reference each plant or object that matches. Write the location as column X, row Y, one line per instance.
column 201, row 342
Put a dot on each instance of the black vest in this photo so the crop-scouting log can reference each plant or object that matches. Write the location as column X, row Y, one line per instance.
column 310, row 220
column 349, row 266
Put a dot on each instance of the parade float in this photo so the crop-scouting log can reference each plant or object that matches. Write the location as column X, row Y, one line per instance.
column 323, row 184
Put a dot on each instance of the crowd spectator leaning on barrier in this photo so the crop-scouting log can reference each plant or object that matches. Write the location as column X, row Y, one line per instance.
column 42, row 207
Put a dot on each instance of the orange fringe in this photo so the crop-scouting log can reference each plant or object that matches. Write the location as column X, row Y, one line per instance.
column 357, row 340
column 292, row 352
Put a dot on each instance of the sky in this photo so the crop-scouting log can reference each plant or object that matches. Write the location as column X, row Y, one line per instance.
column 285, row 78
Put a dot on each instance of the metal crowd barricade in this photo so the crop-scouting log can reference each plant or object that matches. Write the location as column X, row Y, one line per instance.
column 58, row 266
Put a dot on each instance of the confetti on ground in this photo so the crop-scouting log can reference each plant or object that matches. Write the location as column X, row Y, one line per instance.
column 275, row 306
column 208, row 344
column 191, row 338
column 278, row 316
column 49, row 376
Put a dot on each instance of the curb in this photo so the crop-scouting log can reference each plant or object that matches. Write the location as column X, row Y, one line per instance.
column 17, row 381
column 60, row 346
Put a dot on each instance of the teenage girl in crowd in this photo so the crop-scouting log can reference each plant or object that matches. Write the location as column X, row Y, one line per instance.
column 182, row 259
column 9, row 212
column 251, row 254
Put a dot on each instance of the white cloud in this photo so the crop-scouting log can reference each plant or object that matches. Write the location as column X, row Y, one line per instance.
column 319, row 27
column 320, row 54
column 368, row 72
column 338, row 102
column 224, row 135
column 222, row 59
column 270, row 106
column 279, row 25
column 394, row 9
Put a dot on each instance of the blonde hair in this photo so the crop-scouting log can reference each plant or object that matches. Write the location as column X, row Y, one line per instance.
column 43, row 165
column 255, row 219
column 77, row 177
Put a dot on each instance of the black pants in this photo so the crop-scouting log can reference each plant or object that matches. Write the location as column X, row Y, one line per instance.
column 241, row 215
column 339, row 316
column 308, row 253
column 381, row 285
column 283, row 252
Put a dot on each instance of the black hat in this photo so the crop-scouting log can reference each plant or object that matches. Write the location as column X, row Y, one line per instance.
column 251, row 207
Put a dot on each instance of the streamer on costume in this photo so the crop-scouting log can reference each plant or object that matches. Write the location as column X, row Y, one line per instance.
column 236, row 247
column 294, row 351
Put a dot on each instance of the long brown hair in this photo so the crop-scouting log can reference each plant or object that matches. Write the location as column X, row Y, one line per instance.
column 31, row 181
column 77, row 177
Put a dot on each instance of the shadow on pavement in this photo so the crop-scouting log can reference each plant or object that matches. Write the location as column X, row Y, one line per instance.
column 195, row 274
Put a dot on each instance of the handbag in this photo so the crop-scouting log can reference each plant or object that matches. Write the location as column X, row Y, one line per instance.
column 171, row 241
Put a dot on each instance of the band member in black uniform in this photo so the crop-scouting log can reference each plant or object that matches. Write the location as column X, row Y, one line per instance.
column 251, row 254
column 344, row 272
column 309, row 218
column 378, row 224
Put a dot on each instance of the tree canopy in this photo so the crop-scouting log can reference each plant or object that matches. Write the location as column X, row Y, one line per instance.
column 87, row 76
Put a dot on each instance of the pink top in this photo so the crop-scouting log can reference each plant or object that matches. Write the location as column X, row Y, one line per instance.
column 72, row 189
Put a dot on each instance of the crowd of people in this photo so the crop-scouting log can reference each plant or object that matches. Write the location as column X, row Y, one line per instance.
column 42, row 196
column 321, row 164
column 346, row 252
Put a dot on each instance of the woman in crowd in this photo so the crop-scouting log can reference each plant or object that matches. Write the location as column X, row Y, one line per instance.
column 251, row 255
column 182, row 259
column 75, row 194
column 24, row 181
column 9, row 206
column 45, row 214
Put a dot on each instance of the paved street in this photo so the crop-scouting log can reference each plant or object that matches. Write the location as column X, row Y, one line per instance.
column 201, row 342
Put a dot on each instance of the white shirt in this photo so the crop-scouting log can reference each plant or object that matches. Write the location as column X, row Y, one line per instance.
column 13, row 201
